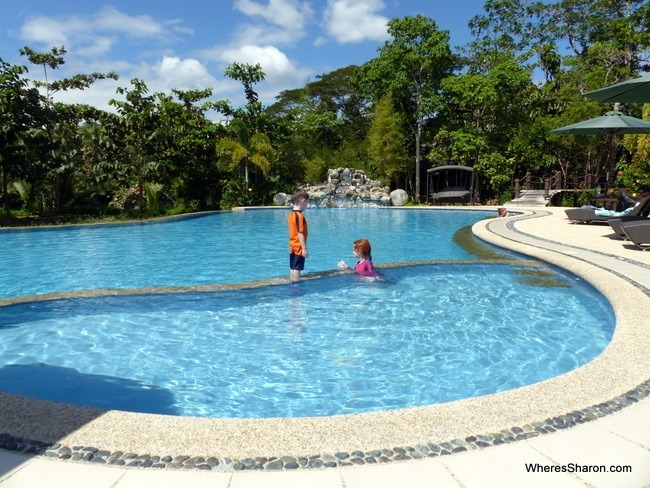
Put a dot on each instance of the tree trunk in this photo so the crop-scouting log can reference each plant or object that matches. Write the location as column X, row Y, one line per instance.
column 418, row 136
column 5, row 193
column 56, row 193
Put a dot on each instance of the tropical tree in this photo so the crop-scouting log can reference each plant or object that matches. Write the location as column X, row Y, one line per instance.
column 137, row 125
column 96, row 150
column 186, row 142
column 387, row 143
column 607, row 42
column 57, row 150
column 250, row 129
column 20, row 111
column 54, row 59
column 244, row 148
column 486, row 122
column 328, row 121
column 251, row 114
column 614, row 33
column 410, row 66
column 636, row 170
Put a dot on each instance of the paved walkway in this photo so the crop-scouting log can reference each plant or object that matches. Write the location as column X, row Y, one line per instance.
column 611, row 452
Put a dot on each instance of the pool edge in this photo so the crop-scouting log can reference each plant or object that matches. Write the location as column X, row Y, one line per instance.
column 615, row 387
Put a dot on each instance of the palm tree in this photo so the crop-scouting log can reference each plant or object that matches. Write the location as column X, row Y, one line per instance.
column 244, row 148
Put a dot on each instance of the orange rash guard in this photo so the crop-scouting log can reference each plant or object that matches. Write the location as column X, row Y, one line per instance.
column 297, row 224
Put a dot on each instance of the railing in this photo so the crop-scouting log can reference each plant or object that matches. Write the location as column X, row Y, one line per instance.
column 555, row 183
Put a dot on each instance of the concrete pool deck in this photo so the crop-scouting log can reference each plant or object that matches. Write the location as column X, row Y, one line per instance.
column 619, row 271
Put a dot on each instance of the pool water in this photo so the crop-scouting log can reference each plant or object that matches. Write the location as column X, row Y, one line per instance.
column 229, row 247
column 339, row 344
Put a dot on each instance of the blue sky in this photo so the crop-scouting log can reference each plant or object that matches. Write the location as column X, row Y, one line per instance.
column 187, row 44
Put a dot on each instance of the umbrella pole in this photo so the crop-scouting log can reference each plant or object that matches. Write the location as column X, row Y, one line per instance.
column 608, row 164
column 610, row 155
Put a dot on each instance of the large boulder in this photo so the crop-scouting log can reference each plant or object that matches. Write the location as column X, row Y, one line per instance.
column 281, row 199
column 399, row 198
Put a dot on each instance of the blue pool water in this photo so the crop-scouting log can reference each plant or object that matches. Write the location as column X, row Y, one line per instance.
column 339, row 344
column 226, row 247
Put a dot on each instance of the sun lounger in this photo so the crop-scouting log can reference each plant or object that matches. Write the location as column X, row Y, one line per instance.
column 638, row 231
column 587, row 215
column 583, row 215
column 615, row 223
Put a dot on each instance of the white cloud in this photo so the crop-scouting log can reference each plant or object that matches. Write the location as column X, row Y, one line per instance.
column 93, row 40
column 281, row 72
column 291, row 15
column 280, row 22
column 272, row 23
column 46, row 31
column 175, row 73
column 139, row 26
column 166, row 74
column 275, row 64
column 99, row 46
column 97, row 95
column 272, row 60
column 263, row 34
column 185, row 74
column 97, row 42
column 95, row 34
column 350, row 21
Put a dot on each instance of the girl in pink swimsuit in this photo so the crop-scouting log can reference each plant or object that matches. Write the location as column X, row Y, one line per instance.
column 361, row 251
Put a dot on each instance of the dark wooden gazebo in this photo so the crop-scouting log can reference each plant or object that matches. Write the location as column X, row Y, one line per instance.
column 453, row 184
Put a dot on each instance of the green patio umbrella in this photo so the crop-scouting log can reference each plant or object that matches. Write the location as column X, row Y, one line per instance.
column 636, row 90
column 611, row 123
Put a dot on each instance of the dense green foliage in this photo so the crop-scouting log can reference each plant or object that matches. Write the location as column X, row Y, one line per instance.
column 417, row 104
column 410, row 67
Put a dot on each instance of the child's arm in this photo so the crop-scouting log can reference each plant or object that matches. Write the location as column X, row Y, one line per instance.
column 303, row 244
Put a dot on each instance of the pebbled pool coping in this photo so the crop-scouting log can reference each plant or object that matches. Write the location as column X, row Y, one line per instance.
column 332, row 460
column 364, row 454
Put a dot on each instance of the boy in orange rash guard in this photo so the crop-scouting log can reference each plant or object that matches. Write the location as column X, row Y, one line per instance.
column 297, row 234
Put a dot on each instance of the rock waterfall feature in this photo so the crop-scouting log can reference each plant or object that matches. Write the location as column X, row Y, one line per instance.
column 345, row 187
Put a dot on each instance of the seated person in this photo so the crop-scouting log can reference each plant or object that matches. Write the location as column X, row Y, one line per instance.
column 364, row 267
column 628, row 201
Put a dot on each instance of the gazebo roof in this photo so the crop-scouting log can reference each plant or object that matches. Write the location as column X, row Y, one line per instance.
column 450, row 167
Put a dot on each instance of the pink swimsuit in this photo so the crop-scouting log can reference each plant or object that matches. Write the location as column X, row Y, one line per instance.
column 365, row 268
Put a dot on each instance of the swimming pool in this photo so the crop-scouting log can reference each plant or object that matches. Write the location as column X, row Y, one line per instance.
column 228, row 247
column 330, row 346
column 321, row 347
